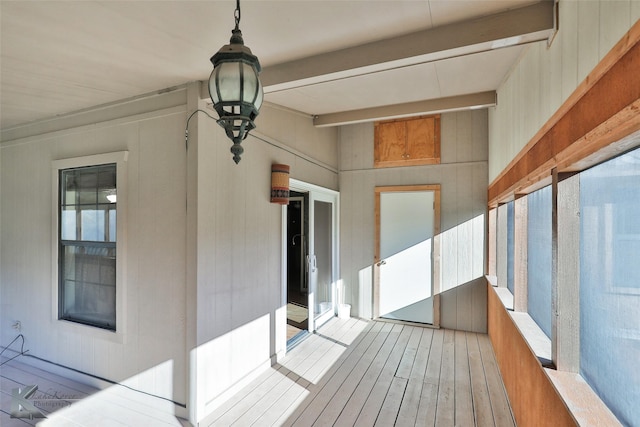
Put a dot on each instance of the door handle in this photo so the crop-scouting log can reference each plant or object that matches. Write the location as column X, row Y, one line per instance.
column 311, row 262
column 383, row 262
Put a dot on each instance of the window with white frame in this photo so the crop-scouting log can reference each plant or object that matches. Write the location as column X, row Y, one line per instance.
column 87, row 254
column 88, row 234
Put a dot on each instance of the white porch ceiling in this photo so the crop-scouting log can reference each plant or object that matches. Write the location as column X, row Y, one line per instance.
column 333, row 59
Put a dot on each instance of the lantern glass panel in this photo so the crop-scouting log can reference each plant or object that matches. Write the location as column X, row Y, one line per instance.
column 260, row 97
column 212, row 86
column 228, row 81
column 250, row 83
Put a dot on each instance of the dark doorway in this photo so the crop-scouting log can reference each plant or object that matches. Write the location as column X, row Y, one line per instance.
column 297, row 274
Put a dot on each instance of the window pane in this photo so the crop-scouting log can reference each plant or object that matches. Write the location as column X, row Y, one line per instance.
column 609, row 283
column 106, row 186
column 69, row 193
column 88, row 185
column 112, row 223
column 88, row 271
column 323, row 251
column 88, row 203
column 89, row 285
column 68, row 230
column 95, row 223
column 92, row 225
column 86, row 196
column 539, row 257
column 510, row 242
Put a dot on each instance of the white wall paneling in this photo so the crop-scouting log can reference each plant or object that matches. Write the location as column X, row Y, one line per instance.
column 153, row 303
column 239, row 246
column 203, row 257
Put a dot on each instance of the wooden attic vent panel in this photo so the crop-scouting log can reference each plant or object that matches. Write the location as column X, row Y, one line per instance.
column 407, row 142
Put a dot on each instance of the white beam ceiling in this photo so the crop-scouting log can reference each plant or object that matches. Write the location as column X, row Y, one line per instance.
column 513, row 27
column 431, row 106
column 429, row 70
column 331, row 59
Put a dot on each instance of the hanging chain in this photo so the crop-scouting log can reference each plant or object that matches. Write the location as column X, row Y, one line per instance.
column 236, row 14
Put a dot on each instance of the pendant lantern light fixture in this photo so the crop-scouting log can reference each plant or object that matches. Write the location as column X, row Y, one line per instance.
column 235, row 88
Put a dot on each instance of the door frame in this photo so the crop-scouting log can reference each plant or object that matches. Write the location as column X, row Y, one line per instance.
column 435, row 248
column 325, row 195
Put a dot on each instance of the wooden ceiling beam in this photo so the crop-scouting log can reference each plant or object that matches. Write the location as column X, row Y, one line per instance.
column 430, row 106
column 524, row 25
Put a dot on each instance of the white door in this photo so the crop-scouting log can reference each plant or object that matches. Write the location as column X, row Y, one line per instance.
column 322, row 261
column 322, row 251
column 407, row 224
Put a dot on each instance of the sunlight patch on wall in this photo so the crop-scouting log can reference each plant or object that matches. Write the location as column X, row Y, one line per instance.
column 225, row 361
column 462, row 253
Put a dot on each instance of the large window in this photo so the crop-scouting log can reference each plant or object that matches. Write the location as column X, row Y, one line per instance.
column 539, row 261
column 87, row 252
column 610, row 283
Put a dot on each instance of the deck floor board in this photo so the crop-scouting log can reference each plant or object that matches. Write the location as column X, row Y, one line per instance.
column 382, row 374
column 349, row 373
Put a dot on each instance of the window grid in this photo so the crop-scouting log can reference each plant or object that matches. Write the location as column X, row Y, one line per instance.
column 87, row 245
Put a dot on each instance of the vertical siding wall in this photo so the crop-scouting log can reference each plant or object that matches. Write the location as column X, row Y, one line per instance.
column 238, row 291
column 546, row 76
column 463, row 179
column 189, row 337
column 535, row 89
column 150, row 355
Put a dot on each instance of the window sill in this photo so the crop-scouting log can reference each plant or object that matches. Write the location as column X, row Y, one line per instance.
column 92, row 331
column 536, row 339
column 505, row 296
column 503, row 293
column 583, row 403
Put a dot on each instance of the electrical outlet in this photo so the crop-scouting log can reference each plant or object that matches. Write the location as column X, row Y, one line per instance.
column 17, row 325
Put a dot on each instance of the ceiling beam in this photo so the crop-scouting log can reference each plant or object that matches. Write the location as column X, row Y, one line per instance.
column 431, row 106
column 524, row 25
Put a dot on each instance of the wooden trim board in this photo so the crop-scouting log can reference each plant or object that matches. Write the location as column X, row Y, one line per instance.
column 534, row 400
column 604, row 109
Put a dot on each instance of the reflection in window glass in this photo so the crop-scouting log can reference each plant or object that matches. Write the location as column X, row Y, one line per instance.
column 68, row 224
column 539, row 257
column 610, row 283
column 324, row 257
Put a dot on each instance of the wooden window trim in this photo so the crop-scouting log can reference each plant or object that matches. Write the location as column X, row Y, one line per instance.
column 436, row 188
column 589, row 128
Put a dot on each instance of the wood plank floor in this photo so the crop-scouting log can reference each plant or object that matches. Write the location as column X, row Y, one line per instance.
column 350, row 373
column 65, row 402
column 357, row 373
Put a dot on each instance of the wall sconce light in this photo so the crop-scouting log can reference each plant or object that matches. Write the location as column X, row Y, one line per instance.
column 280, row 184
column 235, row 88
